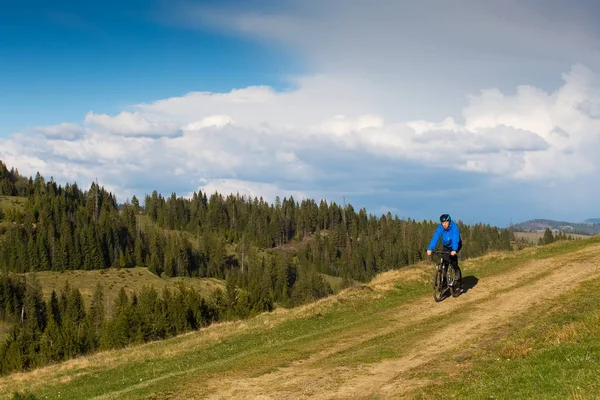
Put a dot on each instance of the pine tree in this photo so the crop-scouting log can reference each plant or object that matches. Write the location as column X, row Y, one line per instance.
column 548, row 236
column 51, row 342
column 35, row 307
column 32, row 249
column 138, row 253
column 97, row 312
column 54, row 312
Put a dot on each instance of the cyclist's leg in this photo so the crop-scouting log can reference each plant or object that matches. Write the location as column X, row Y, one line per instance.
column 447, row 263
column 454, row 260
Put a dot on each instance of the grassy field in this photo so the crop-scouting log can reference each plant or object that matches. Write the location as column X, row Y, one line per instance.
column 334, row 281
column 113, row 279
column 7, row 202
column 533, row 237
column 131, row 279
column 525, row 328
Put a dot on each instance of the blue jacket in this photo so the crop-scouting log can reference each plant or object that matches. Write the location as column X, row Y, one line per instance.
column 450, row 237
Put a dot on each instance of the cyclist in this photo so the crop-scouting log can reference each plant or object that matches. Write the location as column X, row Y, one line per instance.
column 451, row 239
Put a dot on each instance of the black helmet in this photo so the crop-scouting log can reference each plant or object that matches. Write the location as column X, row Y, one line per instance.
column 445, row 217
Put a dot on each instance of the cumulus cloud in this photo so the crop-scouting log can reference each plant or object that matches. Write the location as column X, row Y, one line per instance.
column 66, row 131
column 302, row 142
column 129, row 124
column 268, row 191
column 341, row 124
column 210, row 121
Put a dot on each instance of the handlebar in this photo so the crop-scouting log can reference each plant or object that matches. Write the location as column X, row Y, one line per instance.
column 440, row 252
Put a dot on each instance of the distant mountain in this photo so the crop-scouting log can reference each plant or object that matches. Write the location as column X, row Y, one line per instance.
column 592, row 221
column 588, row 227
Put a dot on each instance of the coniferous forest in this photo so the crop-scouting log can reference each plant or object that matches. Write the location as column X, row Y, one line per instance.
column 269, row 254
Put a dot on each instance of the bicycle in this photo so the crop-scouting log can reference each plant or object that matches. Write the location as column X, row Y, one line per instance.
column 445, row 279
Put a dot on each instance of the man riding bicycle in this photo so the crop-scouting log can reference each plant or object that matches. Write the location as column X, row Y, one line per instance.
column 451, row 239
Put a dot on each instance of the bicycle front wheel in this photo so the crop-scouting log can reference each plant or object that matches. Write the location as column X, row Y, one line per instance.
column 437, row 283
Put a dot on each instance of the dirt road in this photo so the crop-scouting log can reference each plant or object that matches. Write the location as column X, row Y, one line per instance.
column 493, row 302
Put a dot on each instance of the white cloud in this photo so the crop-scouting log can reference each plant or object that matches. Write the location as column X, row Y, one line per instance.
column 447, row 124
column 217, row 121
column 268, row 191
column 261, row 142
column 340, row 125
column 129, row 124
column 421, row 57
column 315, row 99
column 16, row 154
column 65, row 131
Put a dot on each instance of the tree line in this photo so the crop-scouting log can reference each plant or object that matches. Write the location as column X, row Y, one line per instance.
column 243, row 239
column 12, row 183
column 344, row 242
column 69, row 229
column 549, row 237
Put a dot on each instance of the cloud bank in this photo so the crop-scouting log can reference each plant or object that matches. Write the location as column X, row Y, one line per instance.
column 316, row 142
column 420, row 58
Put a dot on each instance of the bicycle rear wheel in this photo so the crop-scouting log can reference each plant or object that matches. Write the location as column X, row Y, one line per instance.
column 455, row 276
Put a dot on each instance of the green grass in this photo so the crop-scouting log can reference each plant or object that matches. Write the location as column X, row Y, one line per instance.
column 552, row 353
column 7, row 202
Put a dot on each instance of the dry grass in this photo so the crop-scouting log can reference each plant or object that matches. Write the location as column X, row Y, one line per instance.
column 335, row 282
column 533, row 237
column 563, row 334
column 7, row 202
column 516, row 350
column 417, row 273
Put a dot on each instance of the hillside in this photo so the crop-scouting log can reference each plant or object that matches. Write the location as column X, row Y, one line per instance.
column 588, row 227
column 592, row 221
column 113, row 279
column 132, row 280
column 9, row 202
column 7, row 205
column 387, row 338
column 533, row 237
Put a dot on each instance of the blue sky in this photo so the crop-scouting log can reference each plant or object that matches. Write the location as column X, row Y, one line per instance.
column 67, row 58
column 488, row 112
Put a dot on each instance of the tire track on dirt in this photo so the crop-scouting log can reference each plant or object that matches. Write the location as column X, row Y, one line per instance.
column 495, row 301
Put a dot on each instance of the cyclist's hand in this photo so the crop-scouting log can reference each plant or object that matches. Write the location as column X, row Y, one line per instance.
column 428, row 252
column 453, row 253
